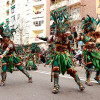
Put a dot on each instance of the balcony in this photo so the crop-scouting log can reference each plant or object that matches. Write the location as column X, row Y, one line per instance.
column 73, row 2
column 76, row 14
column 38, row 14
column 76, row 19
column 38, row 28
column 37, row 3
column 58, row 5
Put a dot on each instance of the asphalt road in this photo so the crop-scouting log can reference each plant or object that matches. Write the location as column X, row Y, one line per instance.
column 18, row 88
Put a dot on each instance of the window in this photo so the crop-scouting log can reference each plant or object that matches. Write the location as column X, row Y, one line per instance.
column 13, row 18
column 75, row 13
column 13, row 9
column 38, row 23
column 38, row 12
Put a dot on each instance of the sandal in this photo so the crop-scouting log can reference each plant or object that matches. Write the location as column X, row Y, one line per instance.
column 2, row 84
column 89, row 84
column 30, row 79
column 97, row 80
column 55, row 90
column 58, row 86
column 82, row 88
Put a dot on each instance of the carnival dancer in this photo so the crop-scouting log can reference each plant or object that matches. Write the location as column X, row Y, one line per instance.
column 96, row 35
column 8, row 59
column 61, row 61
column 90, row 55
column 31, row 63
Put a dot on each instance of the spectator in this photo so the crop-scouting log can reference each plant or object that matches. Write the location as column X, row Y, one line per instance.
column 79, row 55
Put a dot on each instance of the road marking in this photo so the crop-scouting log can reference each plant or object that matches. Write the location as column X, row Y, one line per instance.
column 64, row 76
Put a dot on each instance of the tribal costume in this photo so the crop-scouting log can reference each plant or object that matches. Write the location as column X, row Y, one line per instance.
column 91, row 56
column 9, row 60
column 31, row 63
column 61, row 61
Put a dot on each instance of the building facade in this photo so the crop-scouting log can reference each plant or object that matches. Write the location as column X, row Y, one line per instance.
column 11, row 10
column 30, row 17
column 75, row 11
column 80, row 8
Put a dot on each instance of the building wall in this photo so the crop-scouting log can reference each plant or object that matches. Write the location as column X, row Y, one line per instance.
column 48, row 17
column 40, row 20
column 88, row 7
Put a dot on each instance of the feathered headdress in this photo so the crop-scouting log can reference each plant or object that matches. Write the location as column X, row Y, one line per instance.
column 89, row 24
column 6, row 31
column 61, row 21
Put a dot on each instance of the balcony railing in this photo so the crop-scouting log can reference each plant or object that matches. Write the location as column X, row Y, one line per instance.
column 38, row 2
column 36, row 28
column 76, row 18
column 58, row 5
column 38, row 14
column 71, row 2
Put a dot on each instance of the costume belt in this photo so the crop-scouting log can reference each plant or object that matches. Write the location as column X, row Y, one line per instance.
column 90, row 50
column 59, row 52
column 10, row 55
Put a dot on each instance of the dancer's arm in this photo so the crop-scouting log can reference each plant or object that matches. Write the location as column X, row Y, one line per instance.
column 42, row 38
column 6, row 51
column 49, row 39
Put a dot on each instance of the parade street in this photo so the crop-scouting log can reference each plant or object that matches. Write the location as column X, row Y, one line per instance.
column 17, row 87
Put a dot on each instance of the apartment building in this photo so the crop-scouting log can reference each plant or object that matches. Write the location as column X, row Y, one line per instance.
column 10, row 12
column 40, row 19
column 30, row 17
